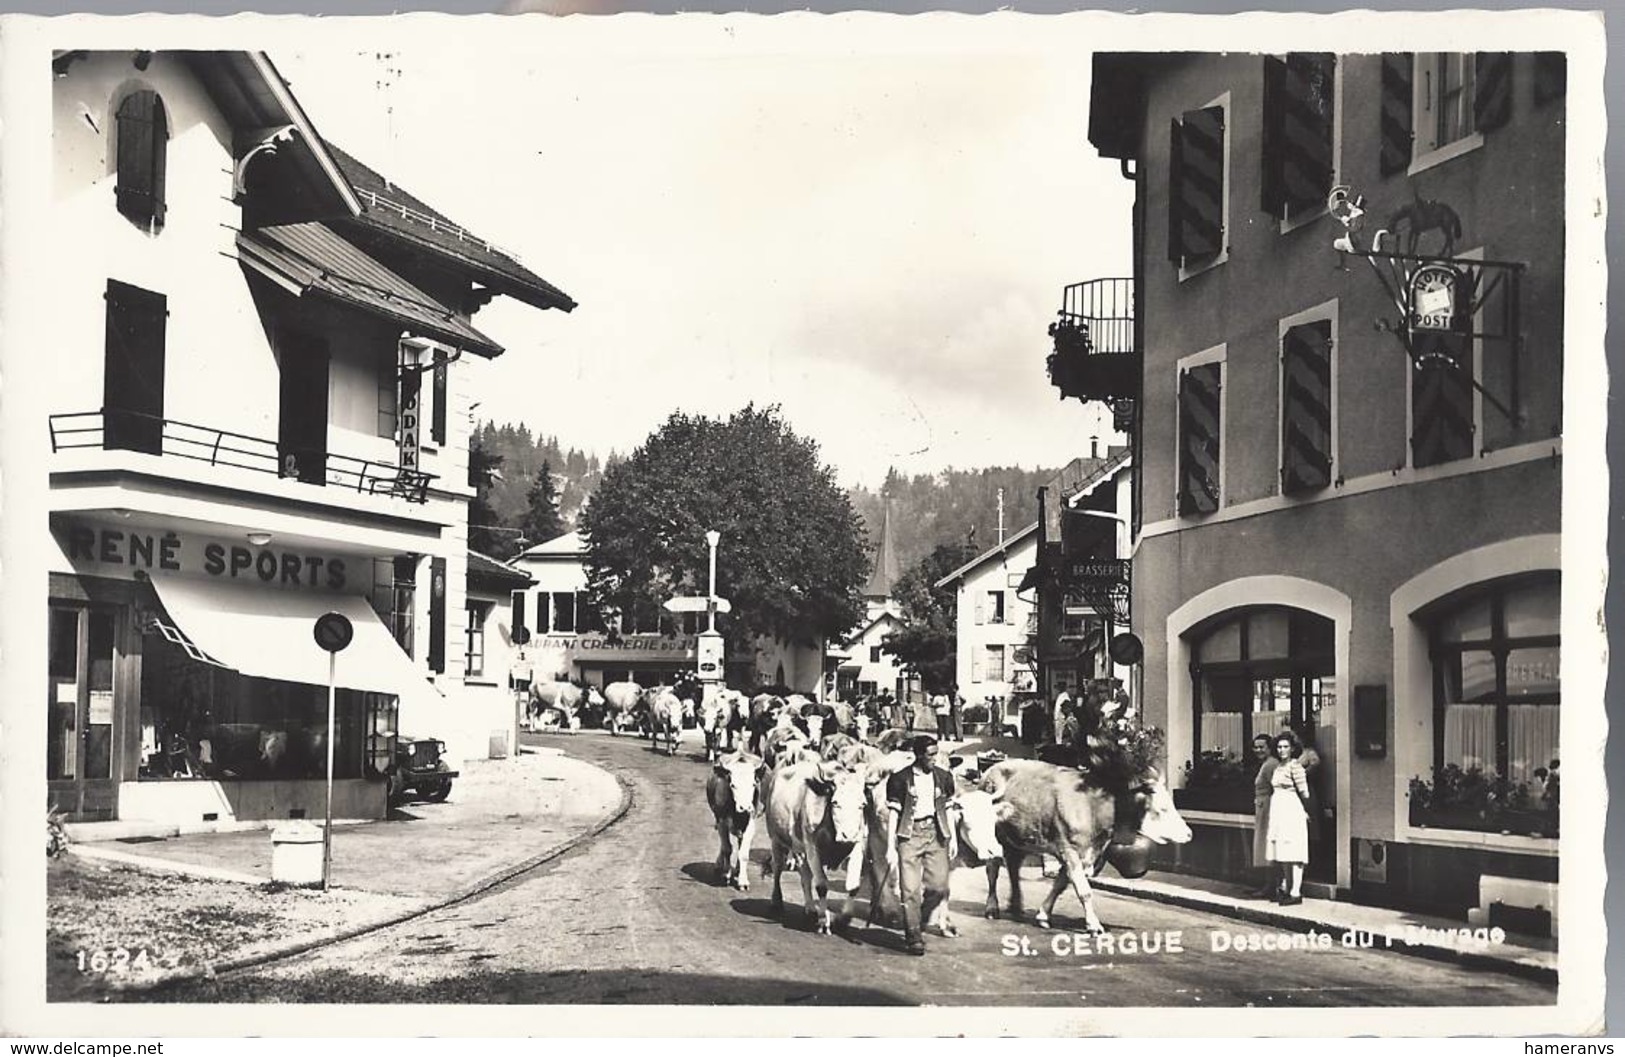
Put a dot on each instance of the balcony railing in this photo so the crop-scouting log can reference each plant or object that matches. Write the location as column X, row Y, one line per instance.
column 1095, row 357
column 134, row 431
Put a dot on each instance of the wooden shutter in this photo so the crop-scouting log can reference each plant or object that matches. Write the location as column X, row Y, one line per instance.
column 518, row 620
column 1199, row 439
column 1441, row 398
column 1551, row 75
column 1196, row 185
column 1306, row 407
column 133, row 371
column 437, row 427
column 437, row 614
column 143, row 136
column 1492, row 89
column 1397, row 102
column 1297, row 151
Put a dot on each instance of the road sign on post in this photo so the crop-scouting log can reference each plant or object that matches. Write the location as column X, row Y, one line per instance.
column 333, row 632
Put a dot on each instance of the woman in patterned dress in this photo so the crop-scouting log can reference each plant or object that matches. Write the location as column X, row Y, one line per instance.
column 1287, row 842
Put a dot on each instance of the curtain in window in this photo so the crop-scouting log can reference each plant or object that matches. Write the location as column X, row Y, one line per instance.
column 1271, row 723
column 1531, row 739
column 1221, row 732
column 1469, row 736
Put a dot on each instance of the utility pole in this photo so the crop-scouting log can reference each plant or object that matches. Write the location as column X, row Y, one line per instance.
column 1001, row 517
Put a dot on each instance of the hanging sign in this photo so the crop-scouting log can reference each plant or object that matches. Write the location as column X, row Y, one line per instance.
column 1433, row 298
column 411, row 416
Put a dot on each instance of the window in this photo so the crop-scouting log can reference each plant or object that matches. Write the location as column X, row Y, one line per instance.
column 1496, row 680
column 133, row 369
column 143, row 143
column 993, row 669
column 394, row 592
column 1198, row 163
column 995, row 607
column 1201, row 384
column 1307, row 431
column 1259, row 671
column 874, row 654
column 564, row 611
column 1437, row 105
column 1298, row 153
column 388, row 393
column 474, row 637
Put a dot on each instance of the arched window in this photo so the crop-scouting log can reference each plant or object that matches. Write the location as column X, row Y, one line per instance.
column 1256, row 671
column 143, row 140
column 1496, row 678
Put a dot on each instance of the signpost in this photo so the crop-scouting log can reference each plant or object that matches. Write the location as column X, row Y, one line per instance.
column 708, row 649
column 333, row 632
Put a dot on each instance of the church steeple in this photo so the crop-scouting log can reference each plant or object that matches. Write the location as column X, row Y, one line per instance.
column 885, row 573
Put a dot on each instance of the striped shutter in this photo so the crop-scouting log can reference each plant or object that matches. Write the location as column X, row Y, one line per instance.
column 1306, row 407
column 437, row 425
column 1176, row 244
column 1492, row 89
column 1196, row 208
column 1395, row 154
column 143, row 135
column 1297, row 151
column 1551, row 75
column 1441, row 400
column 1199, row 439
column 437, row 614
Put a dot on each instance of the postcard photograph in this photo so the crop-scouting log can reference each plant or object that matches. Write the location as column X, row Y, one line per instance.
column 930, row 518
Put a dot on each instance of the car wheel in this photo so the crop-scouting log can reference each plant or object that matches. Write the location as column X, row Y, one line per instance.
column 439, row 793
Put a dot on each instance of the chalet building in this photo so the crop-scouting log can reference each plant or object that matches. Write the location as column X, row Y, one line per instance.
column 489, row 651
column 1346, row 435
column 568, row 640
column 994, row 625
column 860, row 665
column 259, row 414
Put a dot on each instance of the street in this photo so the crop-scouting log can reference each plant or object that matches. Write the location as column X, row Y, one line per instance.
column 635, row 916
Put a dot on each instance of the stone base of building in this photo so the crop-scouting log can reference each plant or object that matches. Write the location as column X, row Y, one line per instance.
column 186, row 803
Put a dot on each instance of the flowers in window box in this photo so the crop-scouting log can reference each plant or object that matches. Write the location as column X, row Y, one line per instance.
column 1473, row 799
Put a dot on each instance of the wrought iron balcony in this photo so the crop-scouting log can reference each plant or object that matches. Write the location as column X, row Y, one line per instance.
column 134, row 431
column 1095, row 357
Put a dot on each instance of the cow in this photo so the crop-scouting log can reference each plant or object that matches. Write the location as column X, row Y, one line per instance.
column 737, row 717
column 621, row 702
column 564, row 698
column 784, row 745
column 975, row 844
column 875, row 860
column 666, row 713
column 1045, row 809
column 814, row 813
column 734, row 792
column 764, row 712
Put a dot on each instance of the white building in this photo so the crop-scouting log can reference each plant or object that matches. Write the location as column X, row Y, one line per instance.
column 994, row 624
column 489, row 651
column 570, row 641
column 258, row 414
column 863, row 665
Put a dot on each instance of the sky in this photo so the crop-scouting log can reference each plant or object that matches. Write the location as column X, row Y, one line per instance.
column 875, row 240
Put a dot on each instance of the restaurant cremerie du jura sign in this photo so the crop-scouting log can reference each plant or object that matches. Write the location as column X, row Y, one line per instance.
column 170, row 552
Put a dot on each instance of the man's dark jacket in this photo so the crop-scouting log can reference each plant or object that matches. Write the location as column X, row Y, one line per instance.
column 900, row 792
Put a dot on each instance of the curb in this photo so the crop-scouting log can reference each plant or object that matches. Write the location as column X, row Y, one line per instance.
column 164, row 866
column 1475, row 959
column 210, row 970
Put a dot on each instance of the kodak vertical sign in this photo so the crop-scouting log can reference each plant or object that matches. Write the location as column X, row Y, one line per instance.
column 411, row 410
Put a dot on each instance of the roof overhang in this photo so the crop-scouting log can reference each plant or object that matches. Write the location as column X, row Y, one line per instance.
column 989, row 554
column 254, row 98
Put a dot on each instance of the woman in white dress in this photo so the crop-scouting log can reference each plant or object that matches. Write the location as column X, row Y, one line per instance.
column 1287, row 842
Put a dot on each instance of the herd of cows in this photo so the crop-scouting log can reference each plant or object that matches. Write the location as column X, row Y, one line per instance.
column 813, row 772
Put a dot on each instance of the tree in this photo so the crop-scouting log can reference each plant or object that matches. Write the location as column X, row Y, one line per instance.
column 926, row 643
column 485, row 527
column 542, row 521
column 792, row 558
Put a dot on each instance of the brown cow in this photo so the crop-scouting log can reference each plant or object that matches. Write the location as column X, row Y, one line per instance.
column 734, row 792
column 1045, row 809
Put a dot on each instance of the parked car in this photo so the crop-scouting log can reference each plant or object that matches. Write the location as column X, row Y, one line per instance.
column 420, row 768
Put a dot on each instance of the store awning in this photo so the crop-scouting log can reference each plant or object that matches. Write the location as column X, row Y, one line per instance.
column 267, row 633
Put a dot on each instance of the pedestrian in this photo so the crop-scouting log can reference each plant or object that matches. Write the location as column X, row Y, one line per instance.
column 939, row 705
column 917, row 798
column 1311, row 761
column 1287, row 843
column 956, row 715
column 1063, row 708
column 1263, row 752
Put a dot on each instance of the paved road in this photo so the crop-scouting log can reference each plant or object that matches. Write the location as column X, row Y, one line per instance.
column 635, row 917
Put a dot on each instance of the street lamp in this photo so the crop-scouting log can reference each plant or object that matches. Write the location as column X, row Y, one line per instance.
column 712, row 537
